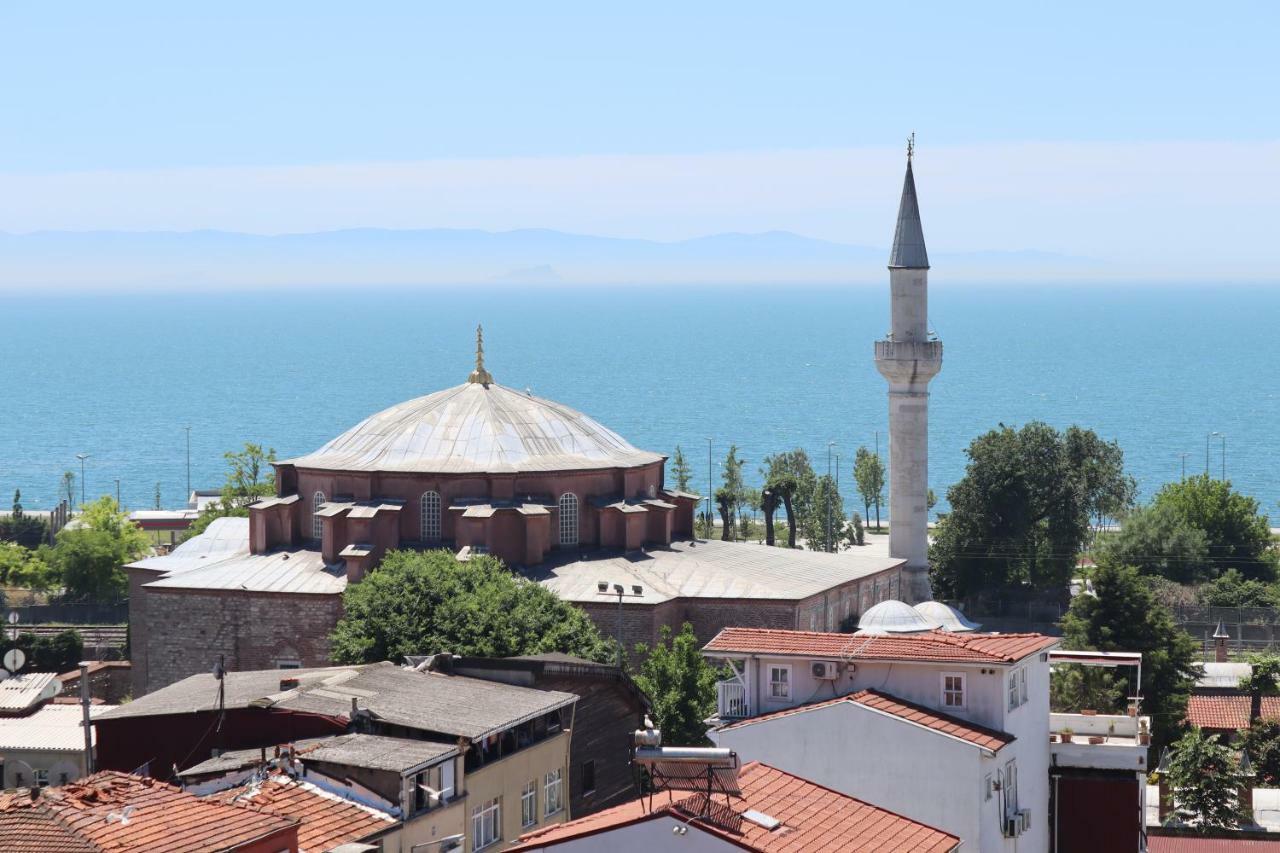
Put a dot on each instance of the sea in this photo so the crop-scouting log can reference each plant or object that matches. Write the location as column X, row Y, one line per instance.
column 1184, row 377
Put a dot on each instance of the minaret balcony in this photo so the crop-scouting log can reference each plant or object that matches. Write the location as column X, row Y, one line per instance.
column 908, row 350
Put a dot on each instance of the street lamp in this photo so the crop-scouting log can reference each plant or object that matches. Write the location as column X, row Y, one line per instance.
column 117, row 493
column 710, row 471
column 637, row 591
column 1184, row 465
column 830, row 444
column 1223, row 436
column 82, row 457
column 188, row 429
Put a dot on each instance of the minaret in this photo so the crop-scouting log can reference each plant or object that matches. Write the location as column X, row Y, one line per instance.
column 908, row 359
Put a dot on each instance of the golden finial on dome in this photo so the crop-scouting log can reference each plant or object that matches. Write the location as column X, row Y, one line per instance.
column 480, row 376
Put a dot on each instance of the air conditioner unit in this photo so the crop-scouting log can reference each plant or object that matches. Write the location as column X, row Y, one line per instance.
column 1024, row 820
column 825, row 669
column 1010, row 827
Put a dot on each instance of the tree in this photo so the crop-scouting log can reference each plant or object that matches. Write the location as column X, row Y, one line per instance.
column 1238, row 534
column 1204, row 781
column 105, row 515
column 724, row 505
column 930, row 500
column 69, row 487
column 1232, row 589
column 680, row 470
column 249, row 475
column 1264, row 675
column 26, row 530
column 1124, row 616
column 1022, row 511
column 823, row 525
column 854, row 533
column 17, row 503
column 680, row 684
column 89, row 556
column 61, row 652
column 734, row 488
column 24, row 568
column 1262, row 743
column 429, row 602
column 789, row 479
column 1159, row 541
column 157, row 495
column 868, row 473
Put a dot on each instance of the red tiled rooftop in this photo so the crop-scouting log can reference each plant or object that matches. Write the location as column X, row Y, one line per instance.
column 813, row 818
column 165, row 819
column 1227, row 712
column 940, row 646
column 880, row 701
column 326, row 820
column 1186, row 844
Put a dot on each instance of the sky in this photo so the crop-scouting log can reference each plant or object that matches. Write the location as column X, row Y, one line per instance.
column 1144, row 135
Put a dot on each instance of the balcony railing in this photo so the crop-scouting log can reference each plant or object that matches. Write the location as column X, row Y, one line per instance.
column 731, row 700
column 909, row 350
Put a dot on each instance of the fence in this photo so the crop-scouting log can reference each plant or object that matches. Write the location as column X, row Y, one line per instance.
column 1250, row 629
column 72, row 614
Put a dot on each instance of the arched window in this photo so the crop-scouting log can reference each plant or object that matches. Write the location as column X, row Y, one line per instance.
column 430, row 517
column 568, row 519
column 317, row 524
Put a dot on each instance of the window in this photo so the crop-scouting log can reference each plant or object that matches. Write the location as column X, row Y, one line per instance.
column 552, row 799
column 588, row 776
column 568, row 520
column 64, row 778
column 1022, row 685
column 41, row 778
column 1017, row 687
column 430, row 517
column 779, row 682
column 529, row 804
column 1013, row 689
column 317, row 524
column 1009, row 789
column 953, row 690
column 291, row 663
column 486, row 827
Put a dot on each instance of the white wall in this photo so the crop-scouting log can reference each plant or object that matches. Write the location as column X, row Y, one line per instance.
column 646, row 837
column 1029, row 724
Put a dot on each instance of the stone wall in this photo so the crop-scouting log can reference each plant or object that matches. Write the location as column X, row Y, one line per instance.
column 187, row 630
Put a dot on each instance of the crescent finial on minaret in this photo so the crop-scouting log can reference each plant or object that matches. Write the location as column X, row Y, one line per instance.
column 480, row 376
column 911, row 146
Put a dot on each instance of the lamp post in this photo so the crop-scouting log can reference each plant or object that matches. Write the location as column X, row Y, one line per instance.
column 1223, row 436
column 710, row 470
column 637, row 591
column 188, row 429
column 82, row 457
column 830, row 444
column 1184, row 465
column 117, row 493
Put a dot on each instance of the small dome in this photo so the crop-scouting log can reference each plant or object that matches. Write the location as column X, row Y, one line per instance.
column 894, row 617
column 477, row 428
column 946, row 617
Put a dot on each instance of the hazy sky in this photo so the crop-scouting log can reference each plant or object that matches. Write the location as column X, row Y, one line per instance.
column 1144, row 133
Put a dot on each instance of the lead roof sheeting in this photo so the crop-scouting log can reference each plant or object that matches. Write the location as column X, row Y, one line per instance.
column 223, row 539
column 710, row 569
column 908, row 237
column 472, row 428
column 299, row 571
column 449, row 704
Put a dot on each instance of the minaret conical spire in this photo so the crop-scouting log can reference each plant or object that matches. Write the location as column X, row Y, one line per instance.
column 908, row 238
column 480, row 376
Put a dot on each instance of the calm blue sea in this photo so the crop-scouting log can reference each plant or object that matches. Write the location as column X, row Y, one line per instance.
column 118, row 377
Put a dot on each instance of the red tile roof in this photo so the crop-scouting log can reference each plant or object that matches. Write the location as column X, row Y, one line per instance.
column 939, row 646
column 920, row 715
column 813, row 818
column 1190, row 844
column 1227, row 712
column 164, row 819
column 326, row 819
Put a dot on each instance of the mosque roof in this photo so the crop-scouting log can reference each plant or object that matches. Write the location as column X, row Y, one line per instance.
column 477, row 428
column 908, row 238
column 895, row 617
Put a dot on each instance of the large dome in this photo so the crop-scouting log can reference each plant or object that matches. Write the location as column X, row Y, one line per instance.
column 894, row 617
column 476, row 428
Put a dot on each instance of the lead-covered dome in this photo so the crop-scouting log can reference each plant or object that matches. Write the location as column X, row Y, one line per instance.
column 893, row 617
column 476, row 428
column 946, row 617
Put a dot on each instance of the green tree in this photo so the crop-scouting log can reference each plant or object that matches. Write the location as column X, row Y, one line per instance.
column 680, row 470
column 249, row 475
column 868, row 474
column 680, row 684
column 105, row 515
column 823, row 525
column 69, row 487
column 21, row 567
column 1022, row 511
column 1232, row 589
column 89, row 565
column 17, row 503
column 1264, row 675
column 1124, row 616
column 1262, row 742
column 429, row 602
column 61, row 652
column 854, row 533
column 930, row 500
column 788, row 479
column 1159, row 541
column 1204, row 780
column 733, row 485
column 157, row 495
column 1237, row 532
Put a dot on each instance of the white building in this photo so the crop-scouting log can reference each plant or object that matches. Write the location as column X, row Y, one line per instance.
column 950, row 729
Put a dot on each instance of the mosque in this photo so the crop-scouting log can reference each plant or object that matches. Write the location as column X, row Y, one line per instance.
column 481, row 468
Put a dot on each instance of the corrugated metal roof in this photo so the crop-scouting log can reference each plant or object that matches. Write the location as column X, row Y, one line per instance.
column 374, row 752
column 474, row 428
column 1187, row 844
column 298, row 570
column 1227, row 674
column 52, row 728
column 19, row 692
column 710, row 569
column 223, row 539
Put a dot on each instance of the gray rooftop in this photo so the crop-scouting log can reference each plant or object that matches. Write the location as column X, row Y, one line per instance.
column 223, row 539
column 294, row 570
column 446, row 704
column 908, row 238
column 1224, row 675
column 708, row 569
column 373, row 752
column 476, row 428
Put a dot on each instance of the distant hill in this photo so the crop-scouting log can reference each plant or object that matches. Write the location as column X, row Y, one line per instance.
column 198, row 259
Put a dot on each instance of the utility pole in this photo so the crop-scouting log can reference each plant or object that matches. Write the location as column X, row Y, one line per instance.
column 710, row 470
column 117, row 493
column 830, row 444
column 88, row 725
column 1184, row 465
column 82, row 457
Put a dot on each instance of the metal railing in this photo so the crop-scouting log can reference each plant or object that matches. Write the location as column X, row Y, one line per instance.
column 731, row 700
column 909, row 350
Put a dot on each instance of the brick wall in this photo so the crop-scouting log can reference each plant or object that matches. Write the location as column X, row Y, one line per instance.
column 187, row 630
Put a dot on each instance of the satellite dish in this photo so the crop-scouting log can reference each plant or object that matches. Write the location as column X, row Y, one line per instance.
column 14, row 616
column 14, row 659
column 52, row 689
column 4, row 673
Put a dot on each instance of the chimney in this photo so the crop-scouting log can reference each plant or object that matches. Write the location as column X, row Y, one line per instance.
column 288, row 683
column 1220, row 637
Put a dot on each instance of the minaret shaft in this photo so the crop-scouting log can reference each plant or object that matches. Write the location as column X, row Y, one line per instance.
column 908, row 359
